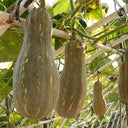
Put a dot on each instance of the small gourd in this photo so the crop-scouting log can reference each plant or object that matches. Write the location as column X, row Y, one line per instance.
column 36, row 79
column 122, row 86
column 99, row 104
column 72, row 81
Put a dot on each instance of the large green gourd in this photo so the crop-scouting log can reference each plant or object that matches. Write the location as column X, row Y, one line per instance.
column 121, row 83
column 35, row 78
column 126, row 69
column 72, row 81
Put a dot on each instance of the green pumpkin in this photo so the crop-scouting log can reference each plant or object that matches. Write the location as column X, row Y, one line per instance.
column 72, row 81
column 36, row 79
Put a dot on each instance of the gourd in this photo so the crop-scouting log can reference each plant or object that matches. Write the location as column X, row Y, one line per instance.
column 122, row 86
column 99, row 105
column 126, row 69
column 35, row 79
column 72, row 81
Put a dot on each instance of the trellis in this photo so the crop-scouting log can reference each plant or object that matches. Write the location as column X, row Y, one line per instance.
column 59, row 33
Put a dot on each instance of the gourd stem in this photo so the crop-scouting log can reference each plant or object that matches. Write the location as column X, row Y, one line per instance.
column 111, row 32
column 71, row 4
column 108, row 27
column 76, row 10
column 122, row 59
column 42, row 4
column 72, row 8
column 82, row 34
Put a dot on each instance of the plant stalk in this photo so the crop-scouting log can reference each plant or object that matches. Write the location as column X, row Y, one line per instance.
column 109, row 33
column 42, row 4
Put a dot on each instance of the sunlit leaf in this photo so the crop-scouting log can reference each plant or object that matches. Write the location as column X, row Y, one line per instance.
column 61, row 6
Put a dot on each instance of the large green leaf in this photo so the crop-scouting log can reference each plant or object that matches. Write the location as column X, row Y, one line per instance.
column 61, row 6
column 96, row 14
column 6, row 3
column 10, row 45
column 98, row 62
column 50, row 10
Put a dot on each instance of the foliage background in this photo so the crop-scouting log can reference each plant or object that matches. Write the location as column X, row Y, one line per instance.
column 63, row 18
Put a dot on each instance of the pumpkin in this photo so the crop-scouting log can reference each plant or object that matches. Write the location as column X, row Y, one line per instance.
column 36, row 79
column 72, row 81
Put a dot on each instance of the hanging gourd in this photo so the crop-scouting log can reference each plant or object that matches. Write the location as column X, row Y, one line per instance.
column 126, row 69
column 72, row 81
column 35, row 79
column 99, row 104
column 122, row 86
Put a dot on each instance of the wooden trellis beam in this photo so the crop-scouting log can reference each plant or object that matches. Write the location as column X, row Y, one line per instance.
column 83, row 122
column 42, row 122
column 5, row 17
column 103, row 80
column 108, row 87
column 107, row 48
column 62, row 34
column 96, row 117
column 106, row 113
column 23, row 121
column 115, row 117
column 110, row 76
column 116, row 42
column 110, row 91
column 103, row 21
column 103, row 67
column 112, row 112
column 65, row 120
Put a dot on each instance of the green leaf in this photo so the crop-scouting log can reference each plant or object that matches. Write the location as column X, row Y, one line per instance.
column 113, row 97
column 58, row 43
column 6, row 3
column 96, row 14
column 61, row 6
column 49, row 9
column 10, row 45
column 98, row 62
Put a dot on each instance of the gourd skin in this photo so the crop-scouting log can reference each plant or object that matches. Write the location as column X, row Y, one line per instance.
column 122, row 86
column 35, row 79
column 99, row 105
column 126, row 69
column 72, row 81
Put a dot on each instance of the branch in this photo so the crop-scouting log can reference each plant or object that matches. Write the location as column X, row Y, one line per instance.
column 107, row 48
column 42, row 122
column 6, row 69
column 112, row 112
column 110, row 45
column 62, row 125
column 5, row 27
column 111, row 32
column 3, row 102
column 23, row 121
column 102, row 68
column 65, row 35
column 103, row 21
column 61, row 34
column 110, row 76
